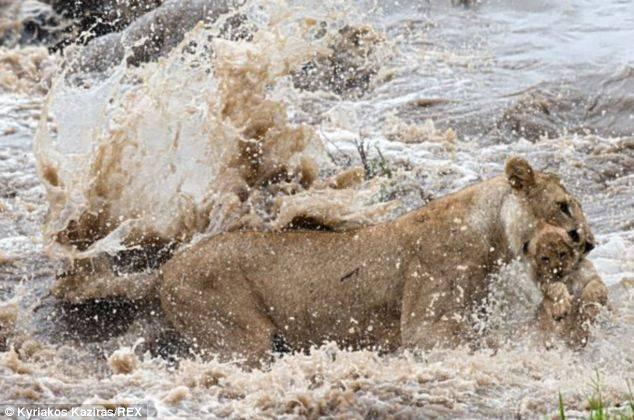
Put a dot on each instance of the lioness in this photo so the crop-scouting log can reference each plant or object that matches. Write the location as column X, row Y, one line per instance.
column 573, row 290
column 413, row 281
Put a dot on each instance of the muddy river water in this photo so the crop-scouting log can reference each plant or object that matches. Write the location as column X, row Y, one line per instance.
column 440, row 94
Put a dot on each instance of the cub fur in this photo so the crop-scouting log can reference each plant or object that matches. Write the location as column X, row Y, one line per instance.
column 573, row 290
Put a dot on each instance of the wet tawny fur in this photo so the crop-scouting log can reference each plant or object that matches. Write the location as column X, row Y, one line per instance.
column 573, row 290
column 411, row 282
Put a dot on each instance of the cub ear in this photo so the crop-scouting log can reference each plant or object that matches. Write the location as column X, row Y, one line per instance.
column 519, row 173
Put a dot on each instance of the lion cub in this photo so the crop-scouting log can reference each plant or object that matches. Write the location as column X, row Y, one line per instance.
column 573, row 291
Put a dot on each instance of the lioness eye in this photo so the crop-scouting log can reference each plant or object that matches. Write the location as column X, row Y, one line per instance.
column 565, row 208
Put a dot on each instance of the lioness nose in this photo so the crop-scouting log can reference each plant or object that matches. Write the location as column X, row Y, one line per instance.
column 589, row 246
column 574, row 235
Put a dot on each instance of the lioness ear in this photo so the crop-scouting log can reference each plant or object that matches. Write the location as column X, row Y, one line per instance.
column 519, row 173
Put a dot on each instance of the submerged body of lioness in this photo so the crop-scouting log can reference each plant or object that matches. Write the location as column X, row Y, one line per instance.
column 412, row 282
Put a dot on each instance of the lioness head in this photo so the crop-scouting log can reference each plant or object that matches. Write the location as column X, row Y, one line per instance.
column 552, row 253
column 548, row 201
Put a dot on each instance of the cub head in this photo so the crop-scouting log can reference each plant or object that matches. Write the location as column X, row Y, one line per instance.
column 548, row 201
column 551, row 253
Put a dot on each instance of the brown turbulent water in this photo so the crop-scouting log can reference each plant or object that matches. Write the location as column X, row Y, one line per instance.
column 445, row 93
